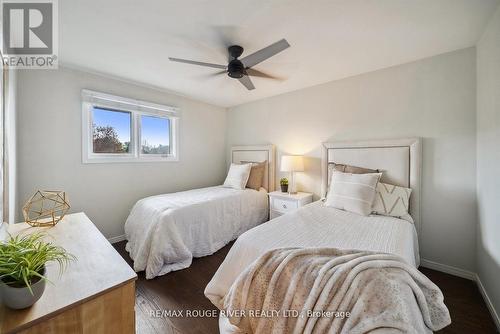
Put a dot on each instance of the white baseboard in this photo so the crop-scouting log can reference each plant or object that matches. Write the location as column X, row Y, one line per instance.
column 116, row 239
column 488, row 302
column 448, row 269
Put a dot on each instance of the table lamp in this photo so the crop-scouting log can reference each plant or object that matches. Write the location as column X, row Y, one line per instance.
column 292, row 164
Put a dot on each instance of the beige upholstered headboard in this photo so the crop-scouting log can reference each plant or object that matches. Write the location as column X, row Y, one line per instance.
column 257, row 153
column 399, row 160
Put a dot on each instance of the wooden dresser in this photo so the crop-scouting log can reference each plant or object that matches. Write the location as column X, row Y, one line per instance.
column 96, row 293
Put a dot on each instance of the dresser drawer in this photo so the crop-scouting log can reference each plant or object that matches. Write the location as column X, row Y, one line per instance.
column 284, row 205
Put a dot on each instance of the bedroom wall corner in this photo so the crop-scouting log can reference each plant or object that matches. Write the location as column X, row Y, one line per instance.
column 488, row 160
column 49, row 147
column 433, row 98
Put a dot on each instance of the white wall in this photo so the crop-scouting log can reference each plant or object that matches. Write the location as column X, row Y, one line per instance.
column 488, row 159
column 49, row 147
column 433, row 98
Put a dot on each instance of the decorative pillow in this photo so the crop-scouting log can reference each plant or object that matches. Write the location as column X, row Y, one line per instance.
column 391, row 200
column 353, row 192
column 347, row 169
column 256, row 175
column 237, row 176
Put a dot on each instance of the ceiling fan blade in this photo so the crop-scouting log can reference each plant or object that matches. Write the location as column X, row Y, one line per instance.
column 197, row 63
column 256, row 73
column 263, row 54
column 245, row 80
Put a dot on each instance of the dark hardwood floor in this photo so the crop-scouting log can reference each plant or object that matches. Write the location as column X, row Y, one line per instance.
column 183, row 290
column 468, row 310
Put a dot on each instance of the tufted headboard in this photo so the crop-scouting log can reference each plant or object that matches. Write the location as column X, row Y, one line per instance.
column 399, row 160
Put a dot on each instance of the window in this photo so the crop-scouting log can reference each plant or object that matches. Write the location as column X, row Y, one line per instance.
column 155, row 135
column 117, row 129
column 111, row 130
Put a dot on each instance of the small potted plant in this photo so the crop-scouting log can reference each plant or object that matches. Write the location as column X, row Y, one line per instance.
column 23, row 262
column 284, row 185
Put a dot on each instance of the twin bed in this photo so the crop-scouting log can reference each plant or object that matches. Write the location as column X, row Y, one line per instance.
column 378, row 241
column 165, row 232
column 318, row 226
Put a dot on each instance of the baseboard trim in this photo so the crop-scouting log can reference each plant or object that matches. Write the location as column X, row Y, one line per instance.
column 448, row 269
column 116, row 239
column 488, row 302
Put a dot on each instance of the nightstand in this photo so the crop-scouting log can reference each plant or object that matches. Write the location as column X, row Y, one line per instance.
column 281, row 203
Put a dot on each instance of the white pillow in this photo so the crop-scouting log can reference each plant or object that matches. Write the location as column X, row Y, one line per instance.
column 352, row 192
column 391, row 200
column 237, row 176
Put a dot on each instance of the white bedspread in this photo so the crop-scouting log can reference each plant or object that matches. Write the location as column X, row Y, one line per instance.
column 315, row 226
column 165, row 232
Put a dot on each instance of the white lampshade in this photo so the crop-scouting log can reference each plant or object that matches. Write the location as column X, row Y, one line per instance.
column 292, row 163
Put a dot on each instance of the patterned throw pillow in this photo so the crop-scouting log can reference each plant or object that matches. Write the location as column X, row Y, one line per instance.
column 391, row 200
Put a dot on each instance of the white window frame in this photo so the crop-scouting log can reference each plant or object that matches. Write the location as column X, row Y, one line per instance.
column 137, row 108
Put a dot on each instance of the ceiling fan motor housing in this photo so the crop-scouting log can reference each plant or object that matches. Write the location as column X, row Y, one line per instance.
column 235, row 69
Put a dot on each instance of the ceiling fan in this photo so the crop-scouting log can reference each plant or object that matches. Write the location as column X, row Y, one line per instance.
column 241, row 69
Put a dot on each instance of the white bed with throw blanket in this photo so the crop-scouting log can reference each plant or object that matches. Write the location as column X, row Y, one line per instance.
column 165, row 232
column 332, row 256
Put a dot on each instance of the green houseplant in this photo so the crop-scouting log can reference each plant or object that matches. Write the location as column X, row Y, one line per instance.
column 284, row 185
column 23, row 262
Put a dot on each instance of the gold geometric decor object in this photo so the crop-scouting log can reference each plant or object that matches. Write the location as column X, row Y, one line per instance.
column 45, row 208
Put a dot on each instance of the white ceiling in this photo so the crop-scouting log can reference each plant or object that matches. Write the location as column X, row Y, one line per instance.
column 329, row 39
